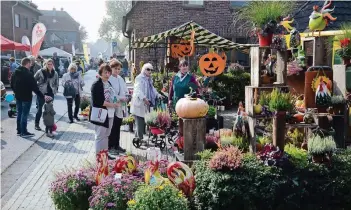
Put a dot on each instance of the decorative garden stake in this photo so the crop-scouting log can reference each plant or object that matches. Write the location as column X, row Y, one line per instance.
column 212, row 64
column 182, row 177
column 320, row 19
column 102, row 166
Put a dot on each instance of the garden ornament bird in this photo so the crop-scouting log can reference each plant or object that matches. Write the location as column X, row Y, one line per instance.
column 320, row 19
column 286, row 23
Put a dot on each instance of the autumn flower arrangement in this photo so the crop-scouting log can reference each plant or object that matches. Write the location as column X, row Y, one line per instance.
column 71, row 189
column 227, row 158
column 159, row 119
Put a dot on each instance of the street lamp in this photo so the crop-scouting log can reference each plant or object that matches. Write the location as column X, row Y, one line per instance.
column 13, row 26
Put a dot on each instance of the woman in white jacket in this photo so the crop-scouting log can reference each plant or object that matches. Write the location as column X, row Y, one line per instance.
column 121, row 90
column 72, row 77
column 144, row 97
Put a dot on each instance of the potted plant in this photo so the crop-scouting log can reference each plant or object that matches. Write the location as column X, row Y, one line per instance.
column 321, row 148
column 338, row 103
column 265, row 16
column 130, row 123
column 211, row 121
column 345, row 43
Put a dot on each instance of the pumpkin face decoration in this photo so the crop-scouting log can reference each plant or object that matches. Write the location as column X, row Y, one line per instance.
column 212, row 64
column 184, row 47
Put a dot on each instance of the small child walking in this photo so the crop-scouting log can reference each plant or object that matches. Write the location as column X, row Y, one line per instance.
column 48, row 116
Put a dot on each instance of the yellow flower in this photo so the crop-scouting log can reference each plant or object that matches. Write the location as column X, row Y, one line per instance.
column 161, row 187
column 180, row 194
column 131, row 202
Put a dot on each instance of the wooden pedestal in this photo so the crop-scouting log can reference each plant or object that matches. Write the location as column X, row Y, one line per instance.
column 279, row 130
column 194, row 133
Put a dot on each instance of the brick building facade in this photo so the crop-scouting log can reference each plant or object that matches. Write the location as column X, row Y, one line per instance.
column 26, row 16
column 151, row 17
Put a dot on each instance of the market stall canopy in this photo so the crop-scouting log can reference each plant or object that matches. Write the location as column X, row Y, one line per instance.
column 50, row 51
column 203, row 37
column 7, row 44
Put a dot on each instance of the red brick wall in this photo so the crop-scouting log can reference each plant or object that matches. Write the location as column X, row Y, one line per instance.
column 152, row 17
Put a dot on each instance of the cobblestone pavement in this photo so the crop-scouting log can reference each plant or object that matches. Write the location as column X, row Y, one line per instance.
column 72, row 149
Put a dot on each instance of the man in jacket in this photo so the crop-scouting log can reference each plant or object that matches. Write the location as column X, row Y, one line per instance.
column 22, row 84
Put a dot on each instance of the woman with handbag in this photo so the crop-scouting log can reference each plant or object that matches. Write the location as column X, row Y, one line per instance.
column 144, row 97
column 72, row 83
column 103, row 105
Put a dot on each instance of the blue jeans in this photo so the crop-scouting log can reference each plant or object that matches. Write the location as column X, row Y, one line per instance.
column 40, row 104
column 23, row 108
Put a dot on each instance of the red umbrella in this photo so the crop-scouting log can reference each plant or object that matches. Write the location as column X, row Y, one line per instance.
column 7, row 44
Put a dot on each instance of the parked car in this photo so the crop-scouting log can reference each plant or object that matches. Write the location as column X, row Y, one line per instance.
column 5, row 70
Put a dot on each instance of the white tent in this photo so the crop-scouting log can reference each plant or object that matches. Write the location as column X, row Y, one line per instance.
column 50, row 51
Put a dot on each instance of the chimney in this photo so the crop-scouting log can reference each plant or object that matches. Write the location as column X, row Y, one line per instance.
column 61, row 8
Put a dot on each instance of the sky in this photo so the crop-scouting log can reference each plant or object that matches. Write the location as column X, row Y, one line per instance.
column 87, row 13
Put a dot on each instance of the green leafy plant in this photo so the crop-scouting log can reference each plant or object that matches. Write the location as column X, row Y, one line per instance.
column 338, row 100
column 265, row 97
column 263, row 140
column 298, row 156
column 128, row 120
column 296, row 137
column 163, row 197
column 205, row 155
column 151, row 119
column 318, row 145
column 84, row 102
column 280, row 101
column 264, row 13
column 228, row 158
column 211, row 113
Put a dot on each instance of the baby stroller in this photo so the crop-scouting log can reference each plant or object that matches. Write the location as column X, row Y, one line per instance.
column 10, row 98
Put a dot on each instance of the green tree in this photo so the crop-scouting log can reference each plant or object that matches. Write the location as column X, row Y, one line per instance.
column 83, row 34
column 111, row 25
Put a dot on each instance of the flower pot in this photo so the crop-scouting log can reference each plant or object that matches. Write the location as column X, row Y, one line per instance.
column 346, row 61
column 130, row 126
column 317, row 158
column 265, row 41
column 338, row 109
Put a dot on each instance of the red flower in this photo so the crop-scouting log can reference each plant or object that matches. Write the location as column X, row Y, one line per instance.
column 345, row 42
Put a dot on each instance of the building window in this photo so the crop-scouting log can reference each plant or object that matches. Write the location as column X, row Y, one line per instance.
column 197, row 3
column 25, row 22
column 17, row 20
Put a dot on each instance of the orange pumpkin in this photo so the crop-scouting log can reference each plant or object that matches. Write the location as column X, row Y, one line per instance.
column 184, row 47
column 298, row 117
column 212, row 64
column 191, row 108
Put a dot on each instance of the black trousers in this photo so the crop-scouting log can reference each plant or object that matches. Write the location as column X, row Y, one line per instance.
column 113, row 139
column 70, row 106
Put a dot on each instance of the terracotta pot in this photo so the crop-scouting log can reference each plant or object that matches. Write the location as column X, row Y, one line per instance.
column 317, row 158
column 265, row 41
column 346, row 61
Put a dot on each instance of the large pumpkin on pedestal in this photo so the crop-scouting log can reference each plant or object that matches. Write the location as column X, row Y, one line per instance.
column 191, row 107
column 212, row 64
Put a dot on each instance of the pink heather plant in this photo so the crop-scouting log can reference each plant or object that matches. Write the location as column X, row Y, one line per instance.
column 114, row 194
column 228, row 158
column 71, row 189
column 164, row 119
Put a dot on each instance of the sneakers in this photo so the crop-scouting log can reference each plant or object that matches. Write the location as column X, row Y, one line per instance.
column 50, row 135
column 37, row 128
column 121, row 149
column 27, row 134
column 113, row 152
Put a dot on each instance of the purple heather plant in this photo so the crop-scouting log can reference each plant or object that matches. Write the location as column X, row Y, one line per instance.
column 114, row 194
column 228, row 158
column 71, row 189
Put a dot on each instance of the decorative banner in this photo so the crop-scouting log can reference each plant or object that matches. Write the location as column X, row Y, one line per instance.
column 38, row 35
column 212, row 64
column 102, row 166
column 25, row 41
column 86, row 53
column 182, row 177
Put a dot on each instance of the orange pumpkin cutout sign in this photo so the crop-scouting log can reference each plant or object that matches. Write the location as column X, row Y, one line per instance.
column 184, row 47
column 212, row 64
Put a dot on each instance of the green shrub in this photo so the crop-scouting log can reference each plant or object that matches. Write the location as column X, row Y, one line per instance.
column 231, row 86
column 298, row 156
column 255, row 186
column 164, row 197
